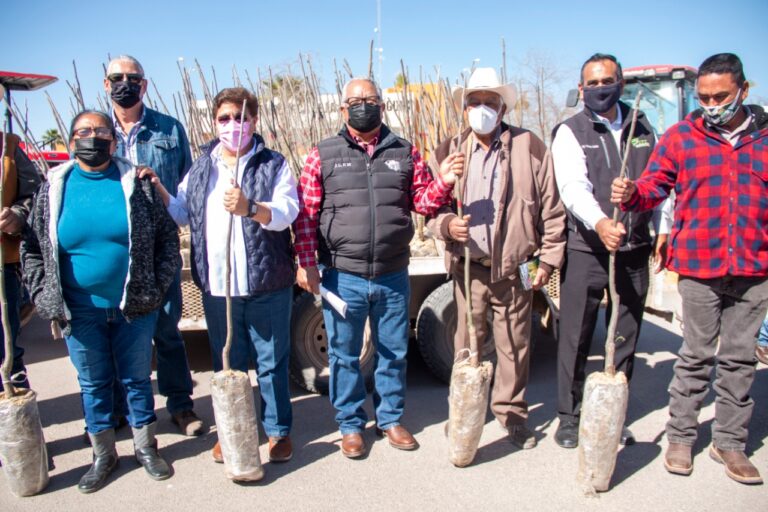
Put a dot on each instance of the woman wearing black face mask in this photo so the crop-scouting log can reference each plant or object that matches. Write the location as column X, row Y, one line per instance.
column 100, row 255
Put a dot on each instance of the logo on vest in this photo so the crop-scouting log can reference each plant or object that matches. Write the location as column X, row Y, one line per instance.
column 341, row 165
column 640, row 143
column 393, row 165
column 590, row 146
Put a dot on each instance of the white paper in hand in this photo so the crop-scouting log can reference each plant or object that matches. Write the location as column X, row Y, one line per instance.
column 334, row 300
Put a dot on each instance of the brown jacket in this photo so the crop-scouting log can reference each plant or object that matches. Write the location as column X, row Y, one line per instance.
column 530, row 217
column 20, row 182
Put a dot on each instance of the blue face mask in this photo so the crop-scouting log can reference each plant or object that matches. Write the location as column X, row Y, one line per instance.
column 720, row 115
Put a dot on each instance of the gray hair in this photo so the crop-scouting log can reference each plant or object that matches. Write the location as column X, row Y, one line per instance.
column 126, row 58
column 359, row 79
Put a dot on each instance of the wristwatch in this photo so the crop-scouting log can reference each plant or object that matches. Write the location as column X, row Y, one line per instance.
column 253, row 208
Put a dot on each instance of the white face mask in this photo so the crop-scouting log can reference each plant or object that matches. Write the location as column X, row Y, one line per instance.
column 482, row 119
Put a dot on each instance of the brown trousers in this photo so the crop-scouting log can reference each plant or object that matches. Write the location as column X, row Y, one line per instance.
column 510, row 307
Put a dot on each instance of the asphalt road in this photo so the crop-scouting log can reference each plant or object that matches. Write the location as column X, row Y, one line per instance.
column 320, row 478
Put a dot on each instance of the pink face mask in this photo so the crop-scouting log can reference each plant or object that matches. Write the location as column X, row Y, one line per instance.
column 232, row 134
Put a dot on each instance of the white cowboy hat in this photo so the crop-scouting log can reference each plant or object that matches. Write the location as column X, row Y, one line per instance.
column 485, row 79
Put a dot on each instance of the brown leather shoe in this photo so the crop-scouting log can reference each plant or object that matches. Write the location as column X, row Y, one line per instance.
column 737, row 465
column 761, row 353
column 352, row 445
column 678, row 459
column 280, row 449
column 399, row 437
column 216, row 453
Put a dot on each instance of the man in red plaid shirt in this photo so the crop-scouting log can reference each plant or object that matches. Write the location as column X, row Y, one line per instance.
column 717, row 162
column 356, row 194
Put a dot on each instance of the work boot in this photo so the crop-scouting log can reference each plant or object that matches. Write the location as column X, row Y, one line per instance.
column 145, row 448
column 567, row 435
column 521, row 436
column 678, row 459
column 188, row 422
column 122, row 421
column 104, row 461
column 737, row 465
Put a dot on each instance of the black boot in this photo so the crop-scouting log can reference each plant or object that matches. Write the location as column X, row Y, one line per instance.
column 104, row 462
column 145, row 446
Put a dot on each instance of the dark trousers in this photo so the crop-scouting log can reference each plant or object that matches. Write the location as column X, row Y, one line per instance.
column 13, row 295
column 721, row 319
column 583, row 281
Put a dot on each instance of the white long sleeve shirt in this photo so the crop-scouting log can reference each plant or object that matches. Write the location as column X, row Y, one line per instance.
column 284, row 205
column 576, row 191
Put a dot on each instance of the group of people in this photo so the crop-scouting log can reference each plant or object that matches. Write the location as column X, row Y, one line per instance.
column 113, row 286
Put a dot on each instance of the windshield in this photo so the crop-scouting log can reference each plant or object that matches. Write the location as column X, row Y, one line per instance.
column 659, row 102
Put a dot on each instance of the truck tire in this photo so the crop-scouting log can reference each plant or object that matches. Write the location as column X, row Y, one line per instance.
column 309, row 347
column 435, row 331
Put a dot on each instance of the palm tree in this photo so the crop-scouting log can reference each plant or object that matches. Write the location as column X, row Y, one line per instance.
column 52, row 138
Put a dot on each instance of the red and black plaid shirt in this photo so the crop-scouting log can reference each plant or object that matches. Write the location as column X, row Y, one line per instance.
column 721, row 210
column 427, row 195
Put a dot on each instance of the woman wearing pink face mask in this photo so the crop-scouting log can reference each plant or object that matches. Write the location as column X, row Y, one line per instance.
column 262, row 198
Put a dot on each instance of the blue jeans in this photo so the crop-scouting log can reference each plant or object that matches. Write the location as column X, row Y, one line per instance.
column 103, row 347
column 262, row 331
column 385, row 300
column 762, row 337
column 13, row 294
column 174, row 380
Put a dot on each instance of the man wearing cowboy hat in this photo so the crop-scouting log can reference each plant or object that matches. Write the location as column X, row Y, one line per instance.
column 513, row 218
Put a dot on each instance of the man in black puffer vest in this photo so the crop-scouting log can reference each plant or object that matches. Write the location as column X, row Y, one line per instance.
column 587, row 151
column 356, row 194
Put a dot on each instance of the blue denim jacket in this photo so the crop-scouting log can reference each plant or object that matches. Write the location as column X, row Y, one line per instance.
column 162, row 144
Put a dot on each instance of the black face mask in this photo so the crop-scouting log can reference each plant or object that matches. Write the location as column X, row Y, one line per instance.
column 93, row 151
column 364, row 117
column 600, row 99
column 126, row 94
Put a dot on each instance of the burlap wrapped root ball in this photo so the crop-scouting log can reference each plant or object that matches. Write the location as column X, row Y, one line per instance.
column 22, row 445
column 603, row 410
column 237, row 425
column 467, row 406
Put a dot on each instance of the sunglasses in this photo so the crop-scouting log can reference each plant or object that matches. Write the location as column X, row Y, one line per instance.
column 135, row 78
column 225, row 118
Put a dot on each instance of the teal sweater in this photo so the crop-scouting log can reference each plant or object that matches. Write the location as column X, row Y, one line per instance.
column 93, row 238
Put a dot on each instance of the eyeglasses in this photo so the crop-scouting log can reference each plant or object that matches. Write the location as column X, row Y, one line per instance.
column 100, row 132
column 225, row 118
column 370, row 100
column 135, row 78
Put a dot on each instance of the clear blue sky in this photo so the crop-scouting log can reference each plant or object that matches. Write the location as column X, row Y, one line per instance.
column 46, row 36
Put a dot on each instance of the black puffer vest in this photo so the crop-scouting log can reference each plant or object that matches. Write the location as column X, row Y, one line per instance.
column 365, row 221
column 603, row 165
column 269, row 253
